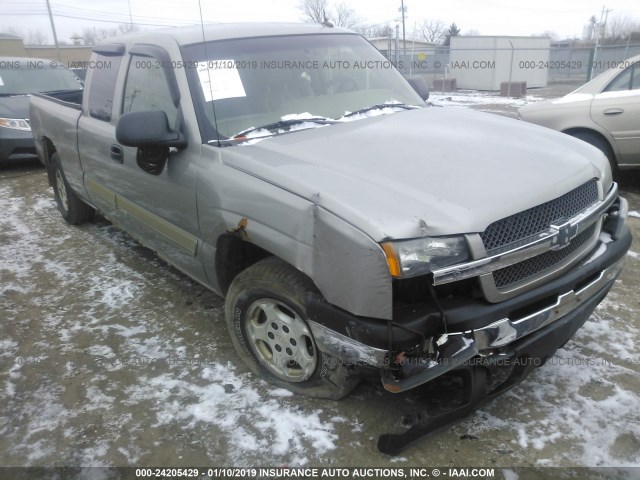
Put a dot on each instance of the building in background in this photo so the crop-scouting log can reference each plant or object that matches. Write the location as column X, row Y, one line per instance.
column 484, row 62
column 70, row 55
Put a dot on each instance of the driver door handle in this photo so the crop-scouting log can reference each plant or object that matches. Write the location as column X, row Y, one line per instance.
column 613, row 111
column 117, row 154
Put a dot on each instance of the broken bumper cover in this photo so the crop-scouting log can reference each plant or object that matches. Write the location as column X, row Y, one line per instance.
column 578, row 293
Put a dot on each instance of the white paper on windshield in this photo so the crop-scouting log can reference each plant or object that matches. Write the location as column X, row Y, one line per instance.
column 220, row 79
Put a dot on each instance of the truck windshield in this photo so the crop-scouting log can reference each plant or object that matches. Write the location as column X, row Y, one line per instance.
column 17, row 77
column 248, row 83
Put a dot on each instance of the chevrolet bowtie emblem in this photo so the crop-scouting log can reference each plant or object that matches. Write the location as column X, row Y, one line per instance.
column 564, row 233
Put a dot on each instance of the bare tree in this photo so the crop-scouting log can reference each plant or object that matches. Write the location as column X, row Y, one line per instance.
column 91, row 36
column 551, row 35
column 621, row 28
column 314, row 11
column 128, row 28
column 37, row 37
column 14, row 32
column 374, row 31
column 319, row 11
column 433, row 31
column 345, row 16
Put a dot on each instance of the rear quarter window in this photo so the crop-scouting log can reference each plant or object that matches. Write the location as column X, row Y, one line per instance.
column 103, row 86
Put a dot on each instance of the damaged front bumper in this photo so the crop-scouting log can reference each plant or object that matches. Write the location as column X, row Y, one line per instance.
column 457, row 349
column 491, row 333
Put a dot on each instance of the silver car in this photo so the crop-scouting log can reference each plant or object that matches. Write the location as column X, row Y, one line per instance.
column 604, row 112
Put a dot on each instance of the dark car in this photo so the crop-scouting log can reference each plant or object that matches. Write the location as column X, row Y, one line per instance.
column 19, row 77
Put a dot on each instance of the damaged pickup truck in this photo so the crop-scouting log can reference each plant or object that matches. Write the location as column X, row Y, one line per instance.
column 352, row 227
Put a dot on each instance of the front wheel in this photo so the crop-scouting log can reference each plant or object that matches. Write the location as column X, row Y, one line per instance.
column 72, row 209
column 265, row 313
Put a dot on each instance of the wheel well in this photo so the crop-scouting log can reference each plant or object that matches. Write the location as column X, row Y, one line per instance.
column 573, row 131
column 48, row 149
column 233, row 255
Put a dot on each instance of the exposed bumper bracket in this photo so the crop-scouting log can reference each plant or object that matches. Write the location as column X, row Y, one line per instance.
column 455, row 352
column 474, row 386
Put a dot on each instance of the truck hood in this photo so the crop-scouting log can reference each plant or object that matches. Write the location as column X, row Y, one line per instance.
column 430, row 171
column 14, row 107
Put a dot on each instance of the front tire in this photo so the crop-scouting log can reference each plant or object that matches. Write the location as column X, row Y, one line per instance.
column 72, row 209
column 265, row 313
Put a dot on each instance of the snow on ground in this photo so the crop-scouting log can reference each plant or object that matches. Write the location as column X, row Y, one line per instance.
column 582, row 413
column 114, row 346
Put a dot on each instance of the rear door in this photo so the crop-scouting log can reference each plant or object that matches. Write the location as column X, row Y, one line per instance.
column 617, row 110
column 101, row 159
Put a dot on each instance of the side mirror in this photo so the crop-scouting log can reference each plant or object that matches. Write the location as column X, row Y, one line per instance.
column 147, row 129
column 421, row 86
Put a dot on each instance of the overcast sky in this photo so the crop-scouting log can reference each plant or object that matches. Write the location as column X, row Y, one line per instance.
column 488, row 17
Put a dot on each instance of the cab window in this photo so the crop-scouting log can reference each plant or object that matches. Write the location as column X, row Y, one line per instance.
column 103, row 86
column 146, row 88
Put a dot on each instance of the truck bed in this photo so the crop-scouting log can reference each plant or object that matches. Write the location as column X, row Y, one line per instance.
column 54, row 122
column 67, row 98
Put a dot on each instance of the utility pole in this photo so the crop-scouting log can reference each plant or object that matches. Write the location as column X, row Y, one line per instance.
column 130, row 17
column 53, row 27
column 603, row 23
column 600, row 32
column 397, row 53
column 403, row 9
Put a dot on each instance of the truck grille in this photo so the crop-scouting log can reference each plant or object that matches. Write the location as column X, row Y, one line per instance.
column 533, row 266
column 538, row 219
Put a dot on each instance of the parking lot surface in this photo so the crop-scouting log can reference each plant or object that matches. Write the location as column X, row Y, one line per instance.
column 110, row 357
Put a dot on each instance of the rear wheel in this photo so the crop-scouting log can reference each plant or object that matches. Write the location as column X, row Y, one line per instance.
column 265, row 313
column 72, row 209
column 601, row 144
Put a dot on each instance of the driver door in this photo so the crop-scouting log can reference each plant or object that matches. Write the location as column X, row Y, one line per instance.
column 160, row 209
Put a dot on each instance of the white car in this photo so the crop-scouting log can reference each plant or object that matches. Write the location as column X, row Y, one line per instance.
column 604, row 112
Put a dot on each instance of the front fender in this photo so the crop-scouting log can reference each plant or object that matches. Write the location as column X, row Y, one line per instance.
column 350, row 269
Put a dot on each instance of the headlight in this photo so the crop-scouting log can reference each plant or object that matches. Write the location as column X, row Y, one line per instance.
column 15, row 123
column 408, row 258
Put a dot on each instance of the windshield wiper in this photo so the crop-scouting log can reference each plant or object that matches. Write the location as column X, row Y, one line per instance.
column 284, row 124
column 380, row 106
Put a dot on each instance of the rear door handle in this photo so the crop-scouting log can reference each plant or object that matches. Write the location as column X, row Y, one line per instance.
column 613, row 111
column 117, row 154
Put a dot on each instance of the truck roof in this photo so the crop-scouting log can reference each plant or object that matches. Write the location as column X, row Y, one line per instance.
column 223, row 31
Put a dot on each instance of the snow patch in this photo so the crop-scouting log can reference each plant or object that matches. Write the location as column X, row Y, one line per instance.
column 250, row 421
column 467, row 98
column 509, row 474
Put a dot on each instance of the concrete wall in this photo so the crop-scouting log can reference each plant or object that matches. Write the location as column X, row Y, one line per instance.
column 482, row 63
